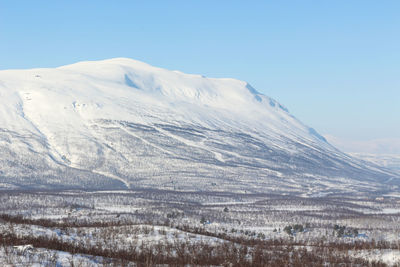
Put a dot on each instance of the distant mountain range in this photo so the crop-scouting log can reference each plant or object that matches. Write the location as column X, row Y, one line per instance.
column 121, row 123
column 390, row 161
column 382, row 152
column 383, row 146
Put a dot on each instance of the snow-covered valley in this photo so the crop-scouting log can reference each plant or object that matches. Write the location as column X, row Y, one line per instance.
column 150, row 227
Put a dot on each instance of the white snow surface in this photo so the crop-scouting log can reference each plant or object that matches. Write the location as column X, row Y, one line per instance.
column 47, row 101
column 122, row 123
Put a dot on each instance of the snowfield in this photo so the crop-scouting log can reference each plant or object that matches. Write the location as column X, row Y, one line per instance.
column 120, row 124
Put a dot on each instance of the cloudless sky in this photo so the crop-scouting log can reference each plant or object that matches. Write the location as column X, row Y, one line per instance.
column 334, row 64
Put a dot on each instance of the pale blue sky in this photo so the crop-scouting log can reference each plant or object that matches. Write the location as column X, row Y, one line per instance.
column 334, row 64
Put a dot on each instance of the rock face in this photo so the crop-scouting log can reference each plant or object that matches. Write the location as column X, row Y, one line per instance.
column 121, row 123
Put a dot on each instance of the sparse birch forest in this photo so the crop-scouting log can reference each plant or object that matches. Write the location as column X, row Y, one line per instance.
column 159, row 228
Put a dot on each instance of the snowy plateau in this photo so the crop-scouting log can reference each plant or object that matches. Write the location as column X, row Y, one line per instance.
column 123, row 124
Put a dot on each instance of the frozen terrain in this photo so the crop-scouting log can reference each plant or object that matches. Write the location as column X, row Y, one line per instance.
column 147, row 227
column 121, row 123
column 389, row 161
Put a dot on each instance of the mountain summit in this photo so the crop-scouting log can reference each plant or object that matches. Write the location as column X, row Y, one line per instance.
column 121, row 123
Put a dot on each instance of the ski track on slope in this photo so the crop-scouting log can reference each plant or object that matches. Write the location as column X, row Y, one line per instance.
column 147, row 142
column 52, row 152
column 202, row 146
column 217, row 155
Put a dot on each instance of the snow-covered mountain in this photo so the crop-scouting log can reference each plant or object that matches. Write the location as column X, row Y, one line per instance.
column 121, row 123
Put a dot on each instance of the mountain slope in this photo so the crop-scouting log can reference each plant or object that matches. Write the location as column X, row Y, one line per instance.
column 121, row 123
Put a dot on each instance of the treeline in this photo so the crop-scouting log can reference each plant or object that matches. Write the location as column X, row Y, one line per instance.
column 224, row 235
column 19, row 219
column 340, row 246
column 181, row 253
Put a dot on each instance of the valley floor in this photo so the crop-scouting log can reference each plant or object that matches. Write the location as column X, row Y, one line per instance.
column 154, row 227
